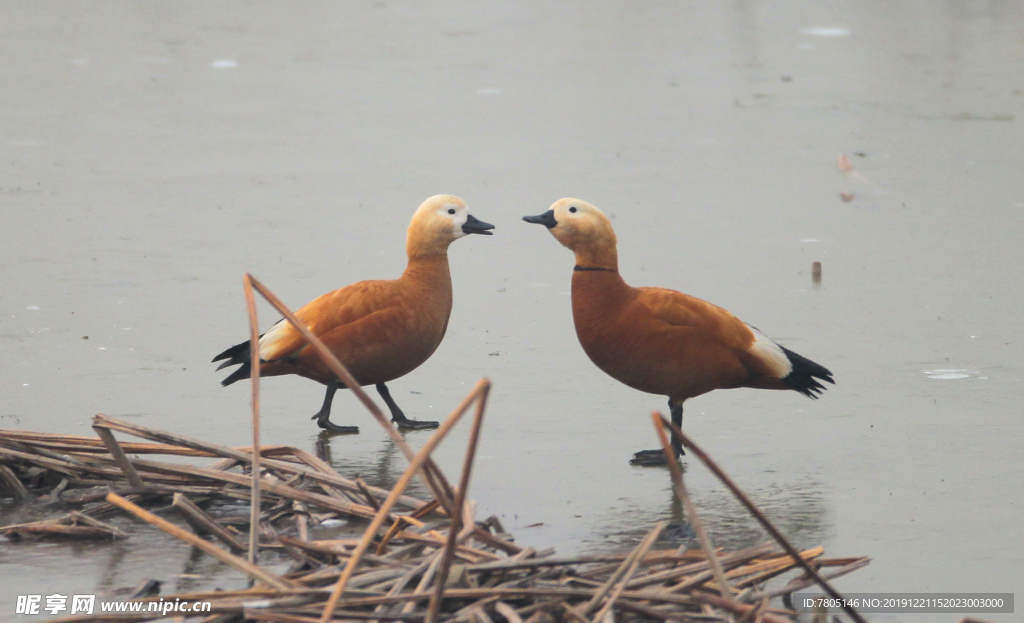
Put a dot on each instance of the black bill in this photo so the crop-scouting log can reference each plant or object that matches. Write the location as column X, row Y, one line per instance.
column 473, row 225
column 547, row 219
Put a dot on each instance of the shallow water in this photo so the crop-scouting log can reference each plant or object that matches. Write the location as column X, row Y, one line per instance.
column 153, row 153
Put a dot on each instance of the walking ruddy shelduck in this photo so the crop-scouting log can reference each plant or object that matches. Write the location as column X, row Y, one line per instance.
column 661, row 341
column 380, row 330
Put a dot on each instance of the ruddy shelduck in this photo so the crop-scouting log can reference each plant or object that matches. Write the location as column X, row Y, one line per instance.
column 661, row 341
column 380, row 330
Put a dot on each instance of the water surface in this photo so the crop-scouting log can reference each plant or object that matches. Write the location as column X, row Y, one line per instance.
column 154, row 152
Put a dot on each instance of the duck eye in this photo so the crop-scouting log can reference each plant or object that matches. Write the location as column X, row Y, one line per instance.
column 451, row 210
column 572, row 209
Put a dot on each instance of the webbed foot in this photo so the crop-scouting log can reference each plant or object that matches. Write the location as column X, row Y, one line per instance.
column 649, row 458
column 408, row 424
column 398, row 417
column 330, row 426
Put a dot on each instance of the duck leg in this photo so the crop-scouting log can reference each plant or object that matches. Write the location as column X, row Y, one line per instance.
column 657, row 457
column 396, row 414
column 322, row 416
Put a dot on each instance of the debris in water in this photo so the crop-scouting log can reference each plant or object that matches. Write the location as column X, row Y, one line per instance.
column 825, row 32
column 950, row 375
column 816, row 273
column 846, row 167
column 846, row 197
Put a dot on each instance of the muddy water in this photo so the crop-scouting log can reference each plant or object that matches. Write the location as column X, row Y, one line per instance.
column 152, row 153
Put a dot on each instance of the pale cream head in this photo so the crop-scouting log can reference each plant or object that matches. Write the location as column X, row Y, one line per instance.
column 439, row 221
column 583, row 229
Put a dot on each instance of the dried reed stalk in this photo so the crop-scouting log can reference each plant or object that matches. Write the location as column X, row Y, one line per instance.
column 414, row 465
column 761, row 518
column 119, row 456
column 457, row 506
column 227, row 558
column 254, row 367
column 691, row 510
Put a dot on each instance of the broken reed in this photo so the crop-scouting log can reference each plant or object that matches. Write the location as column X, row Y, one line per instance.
column 465, row 570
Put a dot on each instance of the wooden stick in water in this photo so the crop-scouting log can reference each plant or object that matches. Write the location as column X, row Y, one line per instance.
column 12, row 484
column 634, row 564
column 457, row 507
column 204, row 524
column 91, row 445
column 119, row 457
column 227, row 558
column 323, row 472
column 799, row 584
column 96, row 523
column 691, row 509
column 761, row 518
column 254, row 359
column 366, row 494
column 737, row 608
column 399, row 488
column 59, row 529
column 105, row 421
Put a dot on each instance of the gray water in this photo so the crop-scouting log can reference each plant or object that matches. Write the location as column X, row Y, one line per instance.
column 155, row 151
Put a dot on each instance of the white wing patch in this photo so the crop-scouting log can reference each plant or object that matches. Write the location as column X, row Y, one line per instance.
column 771, row 354
column 270, row 338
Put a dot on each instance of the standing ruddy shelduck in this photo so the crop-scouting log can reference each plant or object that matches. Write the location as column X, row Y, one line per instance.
column 661, row 341
column 380, row 330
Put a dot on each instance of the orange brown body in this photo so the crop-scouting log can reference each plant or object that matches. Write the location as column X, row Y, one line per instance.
column 380, row 330
column 661, row 341
column 664, row 342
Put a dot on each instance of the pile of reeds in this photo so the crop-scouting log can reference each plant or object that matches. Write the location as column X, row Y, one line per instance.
column 417, row 560
column 405, row 557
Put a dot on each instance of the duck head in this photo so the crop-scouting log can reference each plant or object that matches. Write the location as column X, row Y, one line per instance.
column 584, row 229
column 440, row 221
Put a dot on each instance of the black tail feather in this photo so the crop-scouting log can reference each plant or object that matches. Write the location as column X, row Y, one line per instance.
column 237, row 354
column 239, row 374
column 805, row 375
